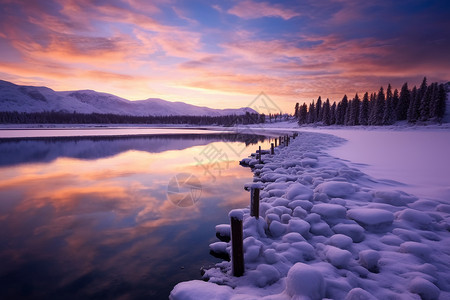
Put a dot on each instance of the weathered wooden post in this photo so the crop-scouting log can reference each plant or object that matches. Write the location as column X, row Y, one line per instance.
column 237, row 244
column 254, row 202
column 287, row 140
column 260, row 161
column 280, row 140
column 272, row 150
column 276, row 143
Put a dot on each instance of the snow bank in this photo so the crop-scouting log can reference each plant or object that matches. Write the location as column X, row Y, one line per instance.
column 327, row 230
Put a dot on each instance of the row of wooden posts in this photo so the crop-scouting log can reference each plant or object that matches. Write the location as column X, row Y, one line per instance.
column 237, row 241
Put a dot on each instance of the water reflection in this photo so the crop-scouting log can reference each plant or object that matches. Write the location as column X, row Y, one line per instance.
column 103, row 227
column 19, row 150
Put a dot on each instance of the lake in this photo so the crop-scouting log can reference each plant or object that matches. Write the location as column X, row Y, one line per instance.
column 113, row 216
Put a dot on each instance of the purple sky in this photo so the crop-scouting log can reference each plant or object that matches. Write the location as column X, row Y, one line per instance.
column 224, row 53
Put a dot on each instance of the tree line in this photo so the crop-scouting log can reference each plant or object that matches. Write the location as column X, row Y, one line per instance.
column 425, row 103
column 57, row 117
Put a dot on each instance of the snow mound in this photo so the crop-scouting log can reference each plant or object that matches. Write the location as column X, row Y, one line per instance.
column 371, row 217
column 336, row 189
column 305, row 282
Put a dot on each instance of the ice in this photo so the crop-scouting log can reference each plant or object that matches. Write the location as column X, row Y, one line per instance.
column 328, row 230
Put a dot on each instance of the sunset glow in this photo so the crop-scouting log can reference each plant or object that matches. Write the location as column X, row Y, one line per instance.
column 222, row 54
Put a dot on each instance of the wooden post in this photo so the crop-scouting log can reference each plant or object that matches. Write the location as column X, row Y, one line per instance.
column 254, row 202
column 276, row 142
column 287, row 140
column 272, row 150
column 260, row 161
column 279, row 140
column 237, row 244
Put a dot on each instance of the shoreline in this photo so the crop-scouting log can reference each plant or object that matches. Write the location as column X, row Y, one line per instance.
column 322, row 218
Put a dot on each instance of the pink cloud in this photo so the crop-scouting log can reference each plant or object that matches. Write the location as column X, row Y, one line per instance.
column 249, row 9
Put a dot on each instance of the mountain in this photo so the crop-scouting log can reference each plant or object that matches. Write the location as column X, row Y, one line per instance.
column 39, row 99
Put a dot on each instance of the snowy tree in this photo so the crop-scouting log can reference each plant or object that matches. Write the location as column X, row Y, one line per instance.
column 379, row 107
column 425, row 102
column 412, row 111
column 389, row 114
column 354, row 111
column 296, row 110
column 312, row 113
column 326, row 116
column 440, row 103
column 302, row 114
column 395, row 100
column 403, row 103
column 319, row 113
column 364, row 111
column 341, row 110
column 339, row 113
column 333, row 113
column 347, row 113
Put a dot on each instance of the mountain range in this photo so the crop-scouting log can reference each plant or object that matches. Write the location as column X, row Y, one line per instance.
column 39, row 99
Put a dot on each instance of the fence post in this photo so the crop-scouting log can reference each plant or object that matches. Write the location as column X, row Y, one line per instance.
column 254, row 202
column 272, row 150
column 260, row 161
column 287, row 140
column 276, row 142
column 237, row 244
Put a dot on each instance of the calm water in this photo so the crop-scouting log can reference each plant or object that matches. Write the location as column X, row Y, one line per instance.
column 91, row 218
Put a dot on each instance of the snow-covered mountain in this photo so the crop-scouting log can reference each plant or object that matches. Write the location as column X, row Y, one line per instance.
column 39, row 99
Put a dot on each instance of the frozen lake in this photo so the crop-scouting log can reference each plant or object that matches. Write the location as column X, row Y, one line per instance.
column 114, row 217
column 418, row 159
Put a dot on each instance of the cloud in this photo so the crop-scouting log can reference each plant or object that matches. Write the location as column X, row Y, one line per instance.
column 250, row 9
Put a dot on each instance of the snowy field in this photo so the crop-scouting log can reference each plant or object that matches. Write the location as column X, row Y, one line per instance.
column 337, row 223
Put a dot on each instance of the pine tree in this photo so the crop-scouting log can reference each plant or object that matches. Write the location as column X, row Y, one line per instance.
column 364, row 111
column 312, row 113
column 372, row 110
column 340, row 112
column 411, row 117
column 403, row 103
column 326, row 118
column 319, row 109
column 347, row 113
column 296, row 110
column 333, row 113
column 425, row 102
column 395, row 100
column 379, row 107
column 388, row 116
column 354, row 111
column 302, row 114
column 440, row 103
column 417, row 101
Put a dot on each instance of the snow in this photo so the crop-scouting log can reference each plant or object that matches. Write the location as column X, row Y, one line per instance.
column 39, row 99
column 329, row 230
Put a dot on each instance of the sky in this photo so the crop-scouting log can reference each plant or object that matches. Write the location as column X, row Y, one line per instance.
column 223, row 54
